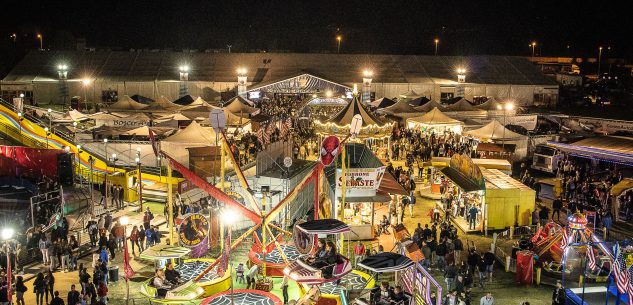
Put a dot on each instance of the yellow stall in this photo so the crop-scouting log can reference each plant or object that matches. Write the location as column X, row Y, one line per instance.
column 509, row 202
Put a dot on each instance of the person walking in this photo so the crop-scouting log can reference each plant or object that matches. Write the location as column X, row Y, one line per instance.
column 134, row 240
column 487, row 299
column 20, row 289
column 102, row 292
column 284, row 289
column 39, row 288
column 50, row 284
column 489, row 258
column 557, row 204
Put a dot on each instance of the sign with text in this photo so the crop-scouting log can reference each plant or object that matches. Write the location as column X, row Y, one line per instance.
column 360, row 178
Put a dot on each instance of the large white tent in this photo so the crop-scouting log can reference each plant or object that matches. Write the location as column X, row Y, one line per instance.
column 493, row 131
column 193, row 135
column 127, row 104
column 435, row 120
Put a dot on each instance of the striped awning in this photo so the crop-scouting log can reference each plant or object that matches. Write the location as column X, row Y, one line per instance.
column 324, row 226
column 386, row 262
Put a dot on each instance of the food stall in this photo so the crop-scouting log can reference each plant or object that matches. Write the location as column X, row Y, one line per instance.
column 487, row 190
column 435, row 121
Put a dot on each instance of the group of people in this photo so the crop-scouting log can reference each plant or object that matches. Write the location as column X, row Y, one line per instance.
column 114, row 192
column 414, row 145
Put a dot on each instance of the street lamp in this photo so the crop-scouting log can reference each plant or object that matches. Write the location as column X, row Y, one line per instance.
column 14, row 37
column 242, row 79
column 461, row 75
column 86, row 82
column 437, row 42
column 338, row 43
column 47, row 134
column 533, row 45
column 599, row 60
column 506, row 107
column 184, row 78
column 50, row 119
column 20, row 118
column 105, row 147
column 124, row 221
column 62, row 73
column 41, row 38
column 79, row 151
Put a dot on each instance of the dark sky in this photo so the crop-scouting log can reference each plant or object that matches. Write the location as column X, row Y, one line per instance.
column 400, row 27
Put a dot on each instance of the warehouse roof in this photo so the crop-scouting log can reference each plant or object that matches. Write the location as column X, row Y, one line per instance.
column 265, row 67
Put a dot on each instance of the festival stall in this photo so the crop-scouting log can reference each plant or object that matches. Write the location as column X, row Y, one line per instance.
column 436, row 121
column 366, row 184
column 381, row 103
column 476, row 191
column 241, row 107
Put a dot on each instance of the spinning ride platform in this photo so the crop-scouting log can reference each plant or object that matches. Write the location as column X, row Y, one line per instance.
column 355, row 280
column 243, row 297
column 211, row 282
column 274, row 262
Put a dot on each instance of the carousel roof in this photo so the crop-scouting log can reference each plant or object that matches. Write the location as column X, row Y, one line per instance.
column 386, row 262
column 344, row 117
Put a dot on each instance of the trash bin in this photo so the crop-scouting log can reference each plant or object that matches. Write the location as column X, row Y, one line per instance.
column 113, row 273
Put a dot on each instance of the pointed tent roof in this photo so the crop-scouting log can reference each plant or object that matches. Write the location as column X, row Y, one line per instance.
column 199, row 102
column 193, row 134
column 104, row 116
column 382, row 103
column 490, row 104
column 184, row 100
column 162, row 103
column 493, row 131
column 429, row 106
column 142, row 99
column 419, row 101
column 401, row 106
column 72, row 116
column 410, row 94
column 461, row 105
column 126, row 103
column 240, row 106
column 435, row 117
column 344, row 117
column 143, row 131
column 201, row 114
column 173, row 117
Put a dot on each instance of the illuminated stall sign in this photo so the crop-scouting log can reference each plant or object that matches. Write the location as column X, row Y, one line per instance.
column 360, row 178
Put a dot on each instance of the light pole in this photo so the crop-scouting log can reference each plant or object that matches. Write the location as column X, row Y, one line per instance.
column 437, row 42
column 7, row 235
column 229, row 216
column 124, row 222
column 599, row 60
column 506, row 107
column 184, row 78
column 461, row 79
column 50, row 119
column 47, row 134
column 85, row 82
column 41, row 38
column 105, row 147
column 62, row 73
column 20, row 118
column 338, row 43
column 533, row 45
column 242, row 78
column 139, row 181
column 367, row 78
column 14, row 37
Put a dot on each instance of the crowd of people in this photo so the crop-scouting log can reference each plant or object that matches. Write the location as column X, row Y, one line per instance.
column 415, row 145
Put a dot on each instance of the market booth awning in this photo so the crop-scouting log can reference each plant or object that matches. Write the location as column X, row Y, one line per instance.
column 622, row 186
column 416, row 102
column 435, row 119
column 608, row 148
column 410, row 94
column 240, row 106
column 490, row 104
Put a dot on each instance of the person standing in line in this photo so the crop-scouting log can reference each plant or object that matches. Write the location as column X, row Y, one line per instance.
column 359, row 251
column 487, row 299
column 43, row 246
column 50, row 284
column 20, row 289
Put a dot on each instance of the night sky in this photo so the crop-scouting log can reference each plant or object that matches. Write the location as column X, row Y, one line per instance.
column 568, row 28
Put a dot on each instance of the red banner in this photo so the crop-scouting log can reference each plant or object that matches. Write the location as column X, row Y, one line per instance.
column 525, row 267
column 29, row 162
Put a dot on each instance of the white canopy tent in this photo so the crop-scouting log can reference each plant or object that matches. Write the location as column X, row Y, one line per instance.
column 435, row 120
column 193, row 135
column 493, row 131
column 461, row 105
column 71, row 116
column 126, row 104
column 410, row 94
